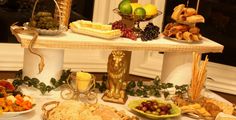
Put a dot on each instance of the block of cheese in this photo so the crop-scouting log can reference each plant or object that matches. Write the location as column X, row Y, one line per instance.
column 94, row 29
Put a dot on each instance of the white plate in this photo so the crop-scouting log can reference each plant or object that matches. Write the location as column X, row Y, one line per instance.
column 13, row 114
column 183, row 41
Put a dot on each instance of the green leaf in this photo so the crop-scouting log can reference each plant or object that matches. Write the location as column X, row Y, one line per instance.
column 139, row 92
column 97, row 85
column 131, row 84
column 156, row 82
column 49, row 88
column 53, row 81
column 169, row 85
column 131, row 92
column 140, row 84
column 166, row 93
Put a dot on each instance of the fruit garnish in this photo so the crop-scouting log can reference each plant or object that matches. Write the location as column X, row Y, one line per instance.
column 7, row 85
column 125, row 7
column 150, row 9
column 154, row 107
column 150, row 32
column 140, row 13
column 126, row 32
column 134, row 6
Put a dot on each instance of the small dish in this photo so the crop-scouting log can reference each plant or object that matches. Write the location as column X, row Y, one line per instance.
column 45, row 31
column 13, row 114
column 175, row 110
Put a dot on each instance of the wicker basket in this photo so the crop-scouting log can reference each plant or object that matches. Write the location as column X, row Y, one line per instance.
column 61, row 14
column 65, row 8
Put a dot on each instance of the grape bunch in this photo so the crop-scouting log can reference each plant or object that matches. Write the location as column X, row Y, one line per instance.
column 44, row 20
column 118, row 25
column 153, row 107
column 126, row 32
column 150, row 32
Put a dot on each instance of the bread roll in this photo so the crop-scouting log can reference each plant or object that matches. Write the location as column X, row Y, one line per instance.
column 177, row 11
column 188, row 36
column 179, row 35
column 196, row 37
column 194, row 30
column 189, row 12
column 182, row 18
column 195, row 19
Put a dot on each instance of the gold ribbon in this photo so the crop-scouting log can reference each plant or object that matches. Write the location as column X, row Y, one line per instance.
column 16, row 30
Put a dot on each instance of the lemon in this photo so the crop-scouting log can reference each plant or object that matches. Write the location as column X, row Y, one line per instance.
column 150, row 9
column 134, row 6
column 125, row 8
column 140, row 12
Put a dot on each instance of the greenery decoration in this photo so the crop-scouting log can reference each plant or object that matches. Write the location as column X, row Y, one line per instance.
column 34, row 82
column 142, row 89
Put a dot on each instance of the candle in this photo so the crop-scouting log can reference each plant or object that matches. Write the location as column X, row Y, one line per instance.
column 83, row 79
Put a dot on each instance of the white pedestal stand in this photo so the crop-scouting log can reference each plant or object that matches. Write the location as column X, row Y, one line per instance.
column 53, row 58
column 177, row 67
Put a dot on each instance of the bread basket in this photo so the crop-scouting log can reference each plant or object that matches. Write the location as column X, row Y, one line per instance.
column 61, row 18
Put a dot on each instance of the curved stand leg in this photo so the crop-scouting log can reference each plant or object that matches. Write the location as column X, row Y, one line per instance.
column 177, row 68
column 54, row 59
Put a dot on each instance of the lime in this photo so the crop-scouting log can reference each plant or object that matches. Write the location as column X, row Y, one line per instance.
column 125, row 8
column 150, row 9
column 134, row 6
column 123, row 2
column 140, row 12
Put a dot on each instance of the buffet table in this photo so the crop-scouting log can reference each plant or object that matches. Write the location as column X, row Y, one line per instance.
column 40, row 100
column 53, row 47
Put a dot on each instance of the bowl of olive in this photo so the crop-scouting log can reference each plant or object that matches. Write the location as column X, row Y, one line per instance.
column 45, row 24
column 154, row 109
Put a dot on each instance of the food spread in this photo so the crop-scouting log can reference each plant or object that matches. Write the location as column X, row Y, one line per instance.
column 184, row 28
column 12, row 100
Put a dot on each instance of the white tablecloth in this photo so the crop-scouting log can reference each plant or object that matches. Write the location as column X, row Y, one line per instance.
column 40, row 100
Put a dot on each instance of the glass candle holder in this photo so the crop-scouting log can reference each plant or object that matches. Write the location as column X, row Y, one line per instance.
column 80, row 87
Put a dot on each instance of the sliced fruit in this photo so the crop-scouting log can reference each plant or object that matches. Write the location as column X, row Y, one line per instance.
column 140, row 12
column 134, row 6
column 125, row 8
column 150, row 9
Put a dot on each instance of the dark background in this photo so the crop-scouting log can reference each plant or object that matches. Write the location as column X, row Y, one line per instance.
column 12, row 11
column 219, row 26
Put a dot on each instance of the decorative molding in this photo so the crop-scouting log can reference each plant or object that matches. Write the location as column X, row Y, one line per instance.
column 146, row 64
column 11, row 57
column 75, row 59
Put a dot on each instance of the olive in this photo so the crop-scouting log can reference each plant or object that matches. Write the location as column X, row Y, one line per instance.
column 144, row 108
column 162, row 113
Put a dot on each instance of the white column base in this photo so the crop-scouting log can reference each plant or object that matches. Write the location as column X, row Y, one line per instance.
column 53, row 58
column 177, row 68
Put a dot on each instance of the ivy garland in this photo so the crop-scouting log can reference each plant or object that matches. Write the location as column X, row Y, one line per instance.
column 139, row 88
column 34, row 82
column 134, row 88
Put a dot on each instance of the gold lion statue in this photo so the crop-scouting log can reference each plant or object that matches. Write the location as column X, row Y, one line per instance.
column 117, row 70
